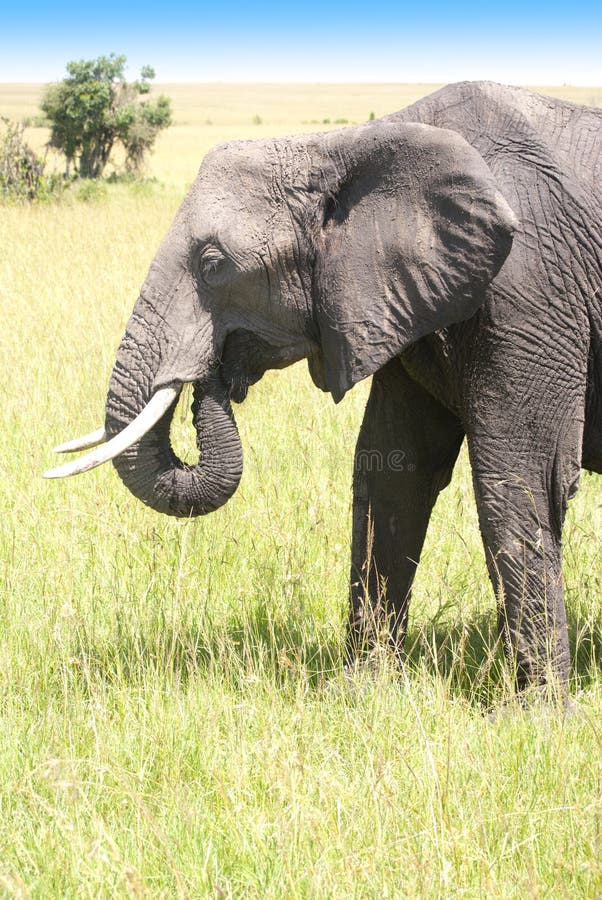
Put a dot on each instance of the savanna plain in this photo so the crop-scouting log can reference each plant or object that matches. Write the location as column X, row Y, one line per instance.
column 174, row 716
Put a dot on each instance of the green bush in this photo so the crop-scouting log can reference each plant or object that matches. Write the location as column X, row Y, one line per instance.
column 22, row 172
column 95, row 108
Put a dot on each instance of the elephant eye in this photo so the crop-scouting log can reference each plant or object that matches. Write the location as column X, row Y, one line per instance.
column 210, row 262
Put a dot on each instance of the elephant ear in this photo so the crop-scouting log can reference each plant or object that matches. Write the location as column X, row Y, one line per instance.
column 412, row 229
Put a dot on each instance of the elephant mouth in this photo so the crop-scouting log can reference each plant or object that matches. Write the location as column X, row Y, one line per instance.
column 139, row 446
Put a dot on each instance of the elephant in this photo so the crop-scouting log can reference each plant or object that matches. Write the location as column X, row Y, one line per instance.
column 453, row 252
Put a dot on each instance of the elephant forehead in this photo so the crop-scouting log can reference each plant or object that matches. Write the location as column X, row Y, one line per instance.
column 237, row 172
column 239, row 198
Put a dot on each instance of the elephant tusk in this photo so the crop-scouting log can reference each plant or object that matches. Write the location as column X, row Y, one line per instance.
column 144, row 421
column 83, row 443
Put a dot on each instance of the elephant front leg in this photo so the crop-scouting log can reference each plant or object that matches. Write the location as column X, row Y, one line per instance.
column 522, row 542
column 522, row 489
column 525, row 433
column 406, row 450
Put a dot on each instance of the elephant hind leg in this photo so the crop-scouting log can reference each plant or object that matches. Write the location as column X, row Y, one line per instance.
column 405, row 454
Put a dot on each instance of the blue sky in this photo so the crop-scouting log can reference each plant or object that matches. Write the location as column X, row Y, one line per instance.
column 345, row 40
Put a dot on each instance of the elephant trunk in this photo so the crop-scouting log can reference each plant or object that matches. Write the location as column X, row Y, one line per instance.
column 151, row 470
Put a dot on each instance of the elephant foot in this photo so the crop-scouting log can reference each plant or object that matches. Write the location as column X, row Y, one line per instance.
column 545, row 700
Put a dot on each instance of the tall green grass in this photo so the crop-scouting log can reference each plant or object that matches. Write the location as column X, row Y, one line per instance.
column 174, row 717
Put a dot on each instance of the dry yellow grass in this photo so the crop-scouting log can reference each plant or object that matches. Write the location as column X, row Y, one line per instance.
column 281, row 104
column 206, row 114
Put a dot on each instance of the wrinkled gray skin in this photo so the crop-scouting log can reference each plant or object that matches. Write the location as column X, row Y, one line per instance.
column 389, row 250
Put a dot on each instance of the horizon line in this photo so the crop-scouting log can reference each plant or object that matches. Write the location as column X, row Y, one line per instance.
column 235, row 81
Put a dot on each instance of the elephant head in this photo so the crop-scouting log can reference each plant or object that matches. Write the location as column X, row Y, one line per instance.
column 344, row 248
